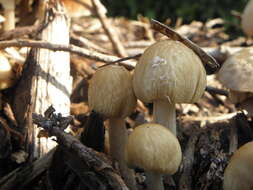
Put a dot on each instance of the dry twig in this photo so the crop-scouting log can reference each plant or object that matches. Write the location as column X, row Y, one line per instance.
column 113, row 36
column 70, row 48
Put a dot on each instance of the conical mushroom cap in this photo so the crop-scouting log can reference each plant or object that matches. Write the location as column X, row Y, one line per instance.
column 247, row 15
column 110, row 92
column 168, row 70
column 237, row 71
column 238, row 174
column 153, row 148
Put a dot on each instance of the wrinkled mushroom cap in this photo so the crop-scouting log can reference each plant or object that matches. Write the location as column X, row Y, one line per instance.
column 237, row 71
column 153, row 148
column 247, row 15
column 6, row 73
column 110, row 92
column 238, row 174
column 168, row 70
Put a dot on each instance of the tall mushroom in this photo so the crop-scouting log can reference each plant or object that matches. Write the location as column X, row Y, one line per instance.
column 110, row 93
column 236, row 74
column 155, row 149
column 167, row 73
column 238, row 174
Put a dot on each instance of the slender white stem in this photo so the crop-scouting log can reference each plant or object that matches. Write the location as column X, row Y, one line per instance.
column 9, row 14
column 165, row 114
column 154, row 181
column 118, row 139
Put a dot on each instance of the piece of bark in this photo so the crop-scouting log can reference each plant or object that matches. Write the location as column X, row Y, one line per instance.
column 46, row 80
column 93, row 135
column 185, row 181
column 22, row 176
column 92, row 159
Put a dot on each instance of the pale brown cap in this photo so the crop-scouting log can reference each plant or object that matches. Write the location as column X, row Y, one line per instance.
column 169, row 70
column 110, row 92
column 153, row 148
column 239, row 172
column 7, row 77
column 237, row 71
column 246, row 21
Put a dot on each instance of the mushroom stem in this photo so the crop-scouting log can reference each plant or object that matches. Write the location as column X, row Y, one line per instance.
column 9, row 14
column 154, row 181
column 118, row 140
column 165, row 114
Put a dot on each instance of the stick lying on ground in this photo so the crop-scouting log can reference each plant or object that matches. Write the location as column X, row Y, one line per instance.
column 55, row 124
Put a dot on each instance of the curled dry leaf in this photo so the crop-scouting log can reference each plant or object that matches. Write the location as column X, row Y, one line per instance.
column 208, row 61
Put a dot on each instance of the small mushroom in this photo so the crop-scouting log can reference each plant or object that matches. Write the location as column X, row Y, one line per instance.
column 167, row 73
column 155, row 149
column 110, row 93
column 236, row 74
column 239, row 171
column 247, row 15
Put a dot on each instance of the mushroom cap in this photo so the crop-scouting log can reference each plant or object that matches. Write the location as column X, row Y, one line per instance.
column 153, row 148
column 110, row 92
column 237, row 71
column 246, row 21
column 238, row 174
column 168, row 70
column 6, row 73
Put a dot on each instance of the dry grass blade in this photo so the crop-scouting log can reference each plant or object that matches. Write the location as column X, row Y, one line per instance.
column 208, row 61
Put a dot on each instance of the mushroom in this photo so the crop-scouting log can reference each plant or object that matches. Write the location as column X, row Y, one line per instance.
column 247, row 16
column 110, row 93
column 239, row 171
column 168, row 72
column 155, row 149
column 236, row 74
column 7, row 76
column 9, row 14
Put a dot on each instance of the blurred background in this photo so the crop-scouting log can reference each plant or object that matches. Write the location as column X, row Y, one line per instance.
column 188, row 10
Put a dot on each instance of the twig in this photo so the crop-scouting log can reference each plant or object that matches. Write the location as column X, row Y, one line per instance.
column 113, row 36
column 70, row 48
column 218, row 91
column 84, row 42
column 208, row 61
column 233, row 136
column 21, row 31
column 210, row 119
column 127, row 58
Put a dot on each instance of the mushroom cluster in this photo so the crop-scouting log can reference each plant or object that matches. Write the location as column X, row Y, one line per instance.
column 167, row 73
